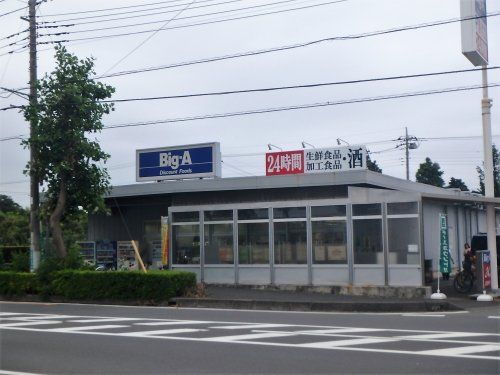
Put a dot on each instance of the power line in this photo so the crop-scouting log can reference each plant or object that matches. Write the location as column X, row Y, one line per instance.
column 13, row 11
column 286, row 47
column 311, row 85
column 149, row 37
column 196, row 24
column 138, row 15
column 297, row 107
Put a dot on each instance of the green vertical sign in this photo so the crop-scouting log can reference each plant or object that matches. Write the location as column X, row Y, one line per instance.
column 444, row 246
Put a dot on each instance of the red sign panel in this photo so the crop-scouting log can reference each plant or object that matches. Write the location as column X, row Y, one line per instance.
column 284, row 162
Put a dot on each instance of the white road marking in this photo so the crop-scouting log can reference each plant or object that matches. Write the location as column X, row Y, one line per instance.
column 9, row 314
column 32, row 323
column 444, row 335
column 6, row 372
column 161, row 332
column 337, row 343
column 252, row 326
column 462, row 350
column 102, row 320
column 251, row 336
column 85, row 328
column 493, row 317
column 339, row 330
column 424, row 315
column 171, row 323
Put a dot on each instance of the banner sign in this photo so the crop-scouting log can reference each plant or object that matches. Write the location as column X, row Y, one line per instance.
column 316, row 160
column 179, row 162
column 444, row 246
column 474, row 31
column 164, row 241
column 486, row 270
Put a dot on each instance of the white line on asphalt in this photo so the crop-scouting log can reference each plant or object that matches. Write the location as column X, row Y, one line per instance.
column 251, row 336
column 23, row 324
column 445, row 335
column 463, row 350
column 9, row 314
column 424, row 315
column 337, row 343
column 493, row 317
column 252, row 326
column 103, row 320
column 85, row 328
column 161, row 332
column 339, row 330
column 6, row 372
column 171, row 323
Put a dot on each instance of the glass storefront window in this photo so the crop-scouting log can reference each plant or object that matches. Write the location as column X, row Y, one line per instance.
column 370, row 209
column 402, row 208
column 403, row 240
column 219, row 244
column 289, row 212
column 184, row 217
column 329, row 242
column 327, row 211
column 186, row 244
column 256, row 214
column 367, row 237
column 253, row 243
column 220, row 215
column 290, row 245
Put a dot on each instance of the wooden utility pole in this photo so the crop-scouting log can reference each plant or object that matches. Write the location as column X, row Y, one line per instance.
column 34, row 192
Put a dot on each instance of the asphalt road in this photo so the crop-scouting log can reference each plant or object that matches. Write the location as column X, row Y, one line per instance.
column 87, row 339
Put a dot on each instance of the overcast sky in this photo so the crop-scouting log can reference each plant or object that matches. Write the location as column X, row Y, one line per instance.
column 244, row 139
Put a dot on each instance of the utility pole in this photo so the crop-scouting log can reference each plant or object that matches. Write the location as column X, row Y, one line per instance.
column 34, row 193
column 407, row 155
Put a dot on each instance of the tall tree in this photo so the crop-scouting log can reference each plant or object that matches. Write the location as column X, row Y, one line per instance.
column 372, row 165
column 7, row 204
column 496, row 173
column 457, row 183
column 430, row 173
column 69, row 110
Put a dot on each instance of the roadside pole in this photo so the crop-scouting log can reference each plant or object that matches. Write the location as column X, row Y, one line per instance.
column 34, row 193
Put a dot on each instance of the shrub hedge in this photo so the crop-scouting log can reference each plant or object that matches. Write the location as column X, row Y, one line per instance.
column 18, row 283
column 154, row 286
column 122, row 285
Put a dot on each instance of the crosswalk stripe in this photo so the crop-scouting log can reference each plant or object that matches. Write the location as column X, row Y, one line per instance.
column 338, row 330
column 251, row 336
column 102, row 320
column 339, row 343
column 462, row 350
column 24, row 324
column 252, row 326
column 494, row 317
column 160, row 332
column 445, row 335
column 85, row 328
column 170, row 323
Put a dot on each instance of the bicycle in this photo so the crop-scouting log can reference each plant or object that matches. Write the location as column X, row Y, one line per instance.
column 464, row 281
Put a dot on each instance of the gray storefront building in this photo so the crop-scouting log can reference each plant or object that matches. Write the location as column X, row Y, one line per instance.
column 339, row 228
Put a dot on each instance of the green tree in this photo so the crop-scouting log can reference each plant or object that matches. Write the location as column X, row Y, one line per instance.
column 496, row 173
column 68, row 112
column 7, row 204
column 430, row 173
column 457, row 183
column 14, row 228
column 372, row 165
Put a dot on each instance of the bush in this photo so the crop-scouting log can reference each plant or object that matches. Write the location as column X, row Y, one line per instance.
column 18, row 283
column 122, row 285
column 20, row 262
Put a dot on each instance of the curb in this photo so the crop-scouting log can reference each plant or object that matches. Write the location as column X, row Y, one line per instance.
column 247, row 304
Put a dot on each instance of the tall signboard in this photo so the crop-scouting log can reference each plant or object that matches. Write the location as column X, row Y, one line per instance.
column 179, row 162
column 444, row 246
column 474, row 31
column 316, row 160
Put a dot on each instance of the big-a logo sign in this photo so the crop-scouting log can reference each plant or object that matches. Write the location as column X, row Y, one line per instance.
column 191, row 161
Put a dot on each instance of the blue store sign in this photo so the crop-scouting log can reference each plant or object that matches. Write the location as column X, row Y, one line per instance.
column 169, row 163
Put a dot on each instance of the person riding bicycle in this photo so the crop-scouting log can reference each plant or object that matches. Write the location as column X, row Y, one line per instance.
column 469, row 259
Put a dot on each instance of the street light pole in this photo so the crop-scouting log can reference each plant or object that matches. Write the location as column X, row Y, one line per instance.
column 489, row 184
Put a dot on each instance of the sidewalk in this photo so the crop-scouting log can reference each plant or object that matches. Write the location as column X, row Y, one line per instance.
column 234, row 297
